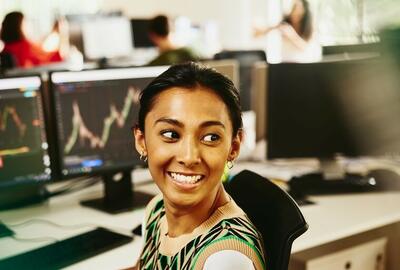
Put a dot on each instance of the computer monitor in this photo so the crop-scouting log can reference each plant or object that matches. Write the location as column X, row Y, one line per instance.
column 106, row 37
column 24, row 160
column 246, row 59
column 227, row 67
column 140, row 33
column 322, row 110
column 94, row 112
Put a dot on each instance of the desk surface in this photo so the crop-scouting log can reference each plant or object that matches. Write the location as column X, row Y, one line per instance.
column 330, row 219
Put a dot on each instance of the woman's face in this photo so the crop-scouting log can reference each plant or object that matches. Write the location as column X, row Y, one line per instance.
column 188, row 139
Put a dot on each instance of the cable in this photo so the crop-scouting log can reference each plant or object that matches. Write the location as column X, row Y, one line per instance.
column 66, row 227
column 37, row 239
column 54, row 224
column 72, row 183
column 77, row 185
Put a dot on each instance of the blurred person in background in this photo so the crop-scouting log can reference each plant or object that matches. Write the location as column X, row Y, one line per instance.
column 298, row 38
column 27, row 53
column 169, row 53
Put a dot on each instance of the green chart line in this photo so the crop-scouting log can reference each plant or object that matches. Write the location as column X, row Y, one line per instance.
column 12, row 112
column 79, row 129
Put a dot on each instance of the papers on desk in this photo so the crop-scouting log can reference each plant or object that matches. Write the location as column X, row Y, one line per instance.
column 279, row 170
column 284, row 170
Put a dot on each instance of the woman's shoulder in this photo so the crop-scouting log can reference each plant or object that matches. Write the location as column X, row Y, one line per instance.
column 233, row 232
column 232, row 247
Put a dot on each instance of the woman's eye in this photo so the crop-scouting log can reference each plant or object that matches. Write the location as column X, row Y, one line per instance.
column 170, row 134
column 211, row 138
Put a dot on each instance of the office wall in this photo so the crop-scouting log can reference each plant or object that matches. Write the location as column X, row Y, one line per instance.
column 234, row 17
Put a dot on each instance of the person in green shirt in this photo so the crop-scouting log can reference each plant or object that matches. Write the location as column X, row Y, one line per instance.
column 159, row 33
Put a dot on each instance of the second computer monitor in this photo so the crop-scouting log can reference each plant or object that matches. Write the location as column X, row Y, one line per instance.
column 329, row 108
column 24, row 159
column 95, row 111
column 106, row 37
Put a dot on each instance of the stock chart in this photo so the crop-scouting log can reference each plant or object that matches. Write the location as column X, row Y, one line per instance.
column 20, row 123
column 95, row 121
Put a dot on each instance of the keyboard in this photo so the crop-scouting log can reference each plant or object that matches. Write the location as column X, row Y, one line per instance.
column 68, row 251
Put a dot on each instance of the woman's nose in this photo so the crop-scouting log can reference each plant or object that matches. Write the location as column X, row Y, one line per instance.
column 189, row 153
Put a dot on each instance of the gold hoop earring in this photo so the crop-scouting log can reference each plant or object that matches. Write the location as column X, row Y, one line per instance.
column 143, row 157
column 230, row 164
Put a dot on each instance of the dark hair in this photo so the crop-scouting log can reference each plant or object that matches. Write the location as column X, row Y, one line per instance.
column 306, row 27
column 11, row 27
column 159, row 25
column 191, row 75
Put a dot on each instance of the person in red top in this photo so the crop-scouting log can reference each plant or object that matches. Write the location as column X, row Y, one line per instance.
column 25, row 53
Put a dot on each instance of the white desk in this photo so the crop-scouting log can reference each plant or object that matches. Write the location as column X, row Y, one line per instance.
column 332, row 219
column 66, row 210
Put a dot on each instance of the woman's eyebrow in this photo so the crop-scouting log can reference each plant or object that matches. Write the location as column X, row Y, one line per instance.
column 175, row 122
column 212, row 123
column 169, row 121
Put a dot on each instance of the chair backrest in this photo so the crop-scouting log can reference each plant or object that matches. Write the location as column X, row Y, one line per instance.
column 275, row 214
column 246, row 59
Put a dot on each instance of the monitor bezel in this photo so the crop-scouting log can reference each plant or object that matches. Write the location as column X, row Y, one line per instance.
column 275, row 153
column 46, row 132
column 126, row 73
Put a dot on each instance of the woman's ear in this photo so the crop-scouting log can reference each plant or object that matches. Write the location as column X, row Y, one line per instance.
column 235, row 147
column 140, row 143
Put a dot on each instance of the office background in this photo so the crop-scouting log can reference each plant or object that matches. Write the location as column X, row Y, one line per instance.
column 342, row 234
column 338, row 22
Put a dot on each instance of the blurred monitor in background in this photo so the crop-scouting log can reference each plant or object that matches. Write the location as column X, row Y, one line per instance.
column 246, row 60
column 107, row 37
column 228, row 67
column 140, row 33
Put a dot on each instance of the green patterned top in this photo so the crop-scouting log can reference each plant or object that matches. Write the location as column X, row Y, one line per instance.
column 228, row 228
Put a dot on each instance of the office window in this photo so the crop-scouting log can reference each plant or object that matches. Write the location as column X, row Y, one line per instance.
column 353, row 21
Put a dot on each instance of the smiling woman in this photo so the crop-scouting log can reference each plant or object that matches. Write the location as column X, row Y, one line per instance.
column 189, row 127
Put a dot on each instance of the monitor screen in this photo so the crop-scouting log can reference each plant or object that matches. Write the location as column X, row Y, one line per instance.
column 329, row 108
column 94, row 113
column 140, row 33
column 23, row 144
column 107, row 37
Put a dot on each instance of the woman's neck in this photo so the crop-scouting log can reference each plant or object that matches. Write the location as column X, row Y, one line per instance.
column 185, row 220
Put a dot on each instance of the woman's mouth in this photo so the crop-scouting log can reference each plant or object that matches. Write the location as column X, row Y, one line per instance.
column 190, row 179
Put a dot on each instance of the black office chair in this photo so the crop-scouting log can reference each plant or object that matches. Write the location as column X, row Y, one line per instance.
column 246, row 59
column 275, row 214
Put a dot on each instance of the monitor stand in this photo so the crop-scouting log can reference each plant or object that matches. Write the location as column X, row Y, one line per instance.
column 331, row 179
column 118, row 194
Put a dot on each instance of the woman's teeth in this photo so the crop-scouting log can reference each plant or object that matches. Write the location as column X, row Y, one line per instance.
column 187, row 179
